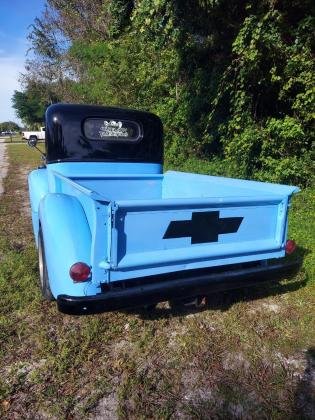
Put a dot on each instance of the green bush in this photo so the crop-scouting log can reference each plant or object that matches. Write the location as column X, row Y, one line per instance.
column 232, row 81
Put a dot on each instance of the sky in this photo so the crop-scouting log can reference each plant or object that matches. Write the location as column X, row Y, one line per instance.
column 15, row 18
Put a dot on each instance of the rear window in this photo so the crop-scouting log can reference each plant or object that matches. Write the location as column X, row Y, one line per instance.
column 111, row 129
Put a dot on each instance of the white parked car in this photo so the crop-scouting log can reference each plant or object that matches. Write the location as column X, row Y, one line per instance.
column 7, row 133
column 36, row 135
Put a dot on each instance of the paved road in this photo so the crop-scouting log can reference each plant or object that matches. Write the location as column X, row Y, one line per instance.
column 4, row 164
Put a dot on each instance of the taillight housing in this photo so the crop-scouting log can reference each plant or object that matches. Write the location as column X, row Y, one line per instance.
column 290, row 247
column 80, row 272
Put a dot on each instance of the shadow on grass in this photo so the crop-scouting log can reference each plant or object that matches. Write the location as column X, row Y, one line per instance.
column 225, row 300
column 305, row 395
column 220, row 301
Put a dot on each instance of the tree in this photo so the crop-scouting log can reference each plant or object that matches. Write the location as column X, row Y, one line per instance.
column 28, row 108
column 233, row 80
column 9, row 126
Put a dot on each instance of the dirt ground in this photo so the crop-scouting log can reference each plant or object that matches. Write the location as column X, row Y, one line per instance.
column 3, row 165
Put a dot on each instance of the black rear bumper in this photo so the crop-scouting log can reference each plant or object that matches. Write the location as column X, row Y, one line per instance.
column 182, row 284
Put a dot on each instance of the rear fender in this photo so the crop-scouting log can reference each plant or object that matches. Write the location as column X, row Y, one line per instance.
column 38, row 188
column 67, row 239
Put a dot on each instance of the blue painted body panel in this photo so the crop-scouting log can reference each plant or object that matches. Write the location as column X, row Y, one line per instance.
column 38, row 188
column 114, row 216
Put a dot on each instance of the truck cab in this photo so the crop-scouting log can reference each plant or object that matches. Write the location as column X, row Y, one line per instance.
column 114, row 231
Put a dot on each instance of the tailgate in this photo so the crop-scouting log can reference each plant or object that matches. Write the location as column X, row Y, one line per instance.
column 164, row 232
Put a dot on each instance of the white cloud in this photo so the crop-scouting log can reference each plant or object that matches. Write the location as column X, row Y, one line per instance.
column 12, row 60
column 10, row 69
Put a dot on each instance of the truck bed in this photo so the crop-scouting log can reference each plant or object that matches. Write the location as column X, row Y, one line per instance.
column 174, row 185
column 179, row 221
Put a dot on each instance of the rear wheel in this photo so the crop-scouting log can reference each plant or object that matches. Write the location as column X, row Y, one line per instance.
column 43, row 273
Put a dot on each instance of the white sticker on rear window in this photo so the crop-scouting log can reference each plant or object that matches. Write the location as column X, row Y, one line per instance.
column 110, row 129
column 113, row 129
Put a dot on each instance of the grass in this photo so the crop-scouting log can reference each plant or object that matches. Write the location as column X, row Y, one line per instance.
column 246, row 354
column 12, row 139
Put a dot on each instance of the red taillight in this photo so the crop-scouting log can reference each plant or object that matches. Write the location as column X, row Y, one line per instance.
column 79, row 272
column 290, row 246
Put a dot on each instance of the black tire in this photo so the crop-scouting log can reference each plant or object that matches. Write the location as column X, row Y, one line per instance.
column 43, row 273
column 33, row 137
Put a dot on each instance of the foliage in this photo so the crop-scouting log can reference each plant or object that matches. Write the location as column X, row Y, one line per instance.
column 270, row 85
column 28, row 108
column 232, row 81
column 30, row 104
column 9, row 126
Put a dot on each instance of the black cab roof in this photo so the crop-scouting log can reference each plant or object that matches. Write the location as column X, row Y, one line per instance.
column 98, row 133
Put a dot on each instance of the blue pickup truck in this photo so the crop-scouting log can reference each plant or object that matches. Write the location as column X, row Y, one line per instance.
column 113, row 231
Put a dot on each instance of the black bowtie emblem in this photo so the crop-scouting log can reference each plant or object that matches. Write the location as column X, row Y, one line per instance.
column 205, row 226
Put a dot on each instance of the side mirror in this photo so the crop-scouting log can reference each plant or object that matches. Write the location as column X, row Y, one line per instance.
column 32, row 141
